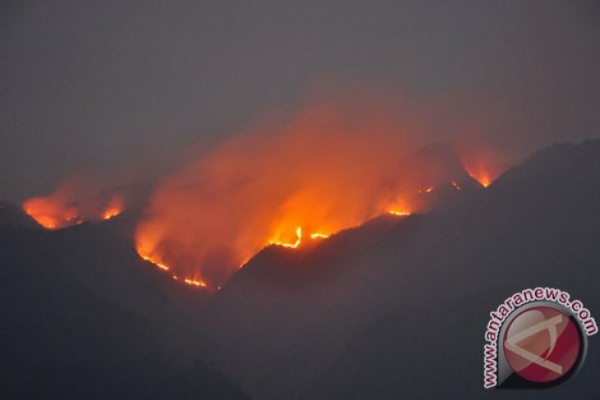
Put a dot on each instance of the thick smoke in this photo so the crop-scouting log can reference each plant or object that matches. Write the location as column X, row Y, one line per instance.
column 70, row 205
column 327, row 168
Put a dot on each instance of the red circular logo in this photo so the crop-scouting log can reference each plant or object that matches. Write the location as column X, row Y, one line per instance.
column 542, row 344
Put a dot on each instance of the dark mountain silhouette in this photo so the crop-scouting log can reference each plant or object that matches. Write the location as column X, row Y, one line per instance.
column 395, row 308
column 414, row 298
column 12, row 215
column 541, row 225
column 84, row 317
column 435, row 167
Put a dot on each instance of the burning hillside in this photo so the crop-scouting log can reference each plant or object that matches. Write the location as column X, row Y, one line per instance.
column 62, row 208
column 323, row 171
column 482, row 163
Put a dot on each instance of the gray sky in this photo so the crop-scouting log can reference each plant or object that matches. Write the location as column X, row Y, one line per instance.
column 124, row 86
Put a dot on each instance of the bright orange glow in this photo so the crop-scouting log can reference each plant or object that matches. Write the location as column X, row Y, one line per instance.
column 399, row 213
column 54, row 211
column 114, row 208
column 195, row 282
column 63, row 208
column 155, row 262
column 189, row 281
column 290, row 245
column 50, row 212
column 429, row 189
column 325, row 169
column 482, row 164
column 481, row 176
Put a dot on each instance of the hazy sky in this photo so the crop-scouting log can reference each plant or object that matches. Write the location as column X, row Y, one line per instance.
column 119, row 85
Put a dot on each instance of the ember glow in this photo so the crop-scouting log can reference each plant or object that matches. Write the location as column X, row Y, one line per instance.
column 482, row 176
column 324, row 170
column 158, row 264
column 50, row 212
column 399, row 213
column 61, row 209
column 194, row 282
column 298, row 241
column 483, row 165
column 290, row 245
column 189, row 281
column 114, row 208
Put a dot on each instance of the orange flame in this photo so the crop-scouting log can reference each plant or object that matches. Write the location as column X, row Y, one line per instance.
column 482, row 164
column 195, row 282
column 192, row 282
column 114, row 208
column 323, row 171
column 315, row 176
column 290, row 245
column 426, row 190
column 50, row 212
column 155, row 262
column 54, row 211
column 399, row 213
column 60, row 209
column 482, row 176
column 298, row 241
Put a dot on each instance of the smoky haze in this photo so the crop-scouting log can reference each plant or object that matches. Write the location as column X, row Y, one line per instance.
column 124, row 87
column 328, row 168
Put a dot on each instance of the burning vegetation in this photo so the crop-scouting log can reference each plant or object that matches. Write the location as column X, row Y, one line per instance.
column 114, row 207
column 61, row 209
column 296, row 183
column 323, row 171
column 482, row 164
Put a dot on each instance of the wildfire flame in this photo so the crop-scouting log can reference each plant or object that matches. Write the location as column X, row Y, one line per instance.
column 483, row 165
column 51, row 213
column 60, row 209
column 114, row 208
column 189, row 281
column 482, row 176
column 399, row 213
column 195, row 282
column 323, row 171
column 156, row 263
column 290, row 245
column 298, row 241
column 426, row 190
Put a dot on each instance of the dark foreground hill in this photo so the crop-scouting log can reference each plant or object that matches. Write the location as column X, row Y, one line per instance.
column 401, row 312
column 393, row 309
column 12, row 215
column 84, row 318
